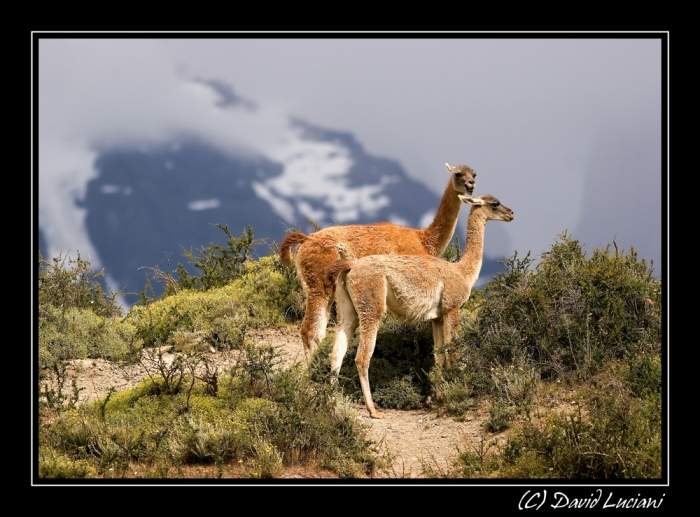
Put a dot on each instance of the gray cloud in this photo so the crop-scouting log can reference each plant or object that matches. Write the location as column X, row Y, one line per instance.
column 227, row 97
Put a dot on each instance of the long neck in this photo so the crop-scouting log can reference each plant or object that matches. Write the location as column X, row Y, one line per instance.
column 437, row 236
column 474, row 247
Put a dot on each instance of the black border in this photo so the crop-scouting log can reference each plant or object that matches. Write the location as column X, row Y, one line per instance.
column 512, row 494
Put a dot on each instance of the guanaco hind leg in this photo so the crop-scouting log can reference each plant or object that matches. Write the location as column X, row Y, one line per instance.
column 313, row 328
column 348, row 322
column 370, row 304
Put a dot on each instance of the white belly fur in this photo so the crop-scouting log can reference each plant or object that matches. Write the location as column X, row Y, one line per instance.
column 414, row 307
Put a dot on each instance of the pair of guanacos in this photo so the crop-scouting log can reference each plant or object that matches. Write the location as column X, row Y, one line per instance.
column 375, row 268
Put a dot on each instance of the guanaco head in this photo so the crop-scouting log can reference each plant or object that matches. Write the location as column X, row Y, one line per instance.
column 492, row 207
column 463, row 178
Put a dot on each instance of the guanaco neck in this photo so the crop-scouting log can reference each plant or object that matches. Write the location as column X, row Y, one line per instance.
column 437, row 236
column 473, row 247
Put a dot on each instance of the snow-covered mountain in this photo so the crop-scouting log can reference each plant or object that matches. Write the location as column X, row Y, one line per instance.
column 145, row 202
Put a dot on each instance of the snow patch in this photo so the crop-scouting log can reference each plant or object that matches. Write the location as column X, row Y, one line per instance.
column 204, row 204
column 116, row 189
column 281, row 207
column 110, row 189
column 318, row 171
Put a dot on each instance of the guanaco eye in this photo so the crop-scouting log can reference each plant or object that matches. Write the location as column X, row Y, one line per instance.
column 495, row 205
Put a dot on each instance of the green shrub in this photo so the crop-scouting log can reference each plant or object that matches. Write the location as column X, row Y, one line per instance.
column 478, row 461
column 204, row 441
column 69, row 283
column 266, row 461
column 516, row 384
column 54, row 465
column 271, row 290
column 70, row 434
column 569, row 313
column 220, row 315
column 457, row 395
column 218, row 266
column 645, row 374
column 500, row 415
column 469, row 378
column 614, row 435
column 74, row 333
column 398, row 394
column 77, row 319
column 513, row 391
column 58, row 397
column 619, row 437
column 308, row 420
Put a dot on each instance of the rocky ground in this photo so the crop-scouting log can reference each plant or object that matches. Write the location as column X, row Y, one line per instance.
column 417, row 441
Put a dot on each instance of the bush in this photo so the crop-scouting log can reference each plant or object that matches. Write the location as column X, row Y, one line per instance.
column 452, row 252
column 221, row 315
column 266, row 461
column 619, row 438
column 570, row 313
column 53, row 465
column 479, row 461
column 513, row 389
column 66, row 334
column 645, row 374
column 258, row 298
column 457, row 395
column 212, row 439
column 398, row 394
column 500, row 415
column 469, row 378
column 77, row 320
column 311, row 419
column 66, row 283
column 219, row 265
column 613, row 435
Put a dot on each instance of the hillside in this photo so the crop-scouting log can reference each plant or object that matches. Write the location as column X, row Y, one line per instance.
column 558, row 374
column 413, row 439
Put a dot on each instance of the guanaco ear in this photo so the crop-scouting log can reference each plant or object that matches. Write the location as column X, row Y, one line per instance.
column 471, row 200
column 450, row 168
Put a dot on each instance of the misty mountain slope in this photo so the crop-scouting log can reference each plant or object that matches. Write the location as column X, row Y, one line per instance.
column 146, row 203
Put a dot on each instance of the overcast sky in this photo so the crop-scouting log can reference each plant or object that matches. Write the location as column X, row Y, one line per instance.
column 566, row 132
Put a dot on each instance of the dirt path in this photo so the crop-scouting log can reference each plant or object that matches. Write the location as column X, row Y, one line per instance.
column 415, row 440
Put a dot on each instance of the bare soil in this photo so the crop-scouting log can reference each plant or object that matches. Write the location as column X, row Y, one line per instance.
column 414, row 441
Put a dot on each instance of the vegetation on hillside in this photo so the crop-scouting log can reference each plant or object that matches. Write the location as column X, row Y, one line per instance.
column 587, row 325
